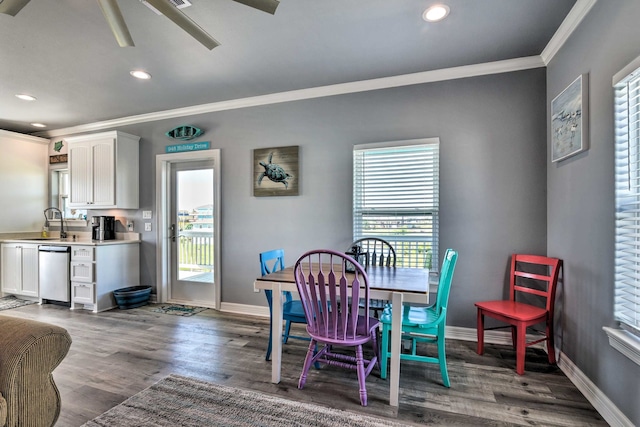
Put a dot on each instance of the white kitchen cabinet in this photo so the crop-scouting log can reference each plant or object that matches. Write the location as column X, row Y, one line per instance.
column 19, row 269
column 104, row 170
column 97, row 271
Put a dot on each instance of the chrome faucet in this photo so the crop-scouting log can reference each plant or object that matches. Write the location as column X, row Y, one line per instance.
column 63, row 234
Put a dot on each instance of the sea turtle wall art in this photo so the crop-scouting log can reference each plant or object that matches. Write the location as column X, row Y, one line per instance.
column 275, row 171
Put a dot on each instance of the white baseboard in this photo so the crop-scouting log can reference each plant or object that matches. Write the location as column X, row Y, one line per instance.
column 605, row 407
column 490, row 337
column 249, row 310
column 469, row 334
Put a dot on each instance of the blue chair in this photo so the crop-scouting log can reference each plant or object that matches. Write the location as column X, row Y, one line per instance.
column 423, row 324
column 292, row 311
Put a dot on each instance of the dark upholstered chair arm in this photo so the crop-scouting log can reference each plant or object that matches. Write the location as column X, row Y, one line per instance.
column 29, row 352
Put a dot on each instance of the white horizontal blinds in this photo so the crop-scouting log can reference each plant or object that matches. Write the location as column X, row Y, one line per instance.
column 627, row 195
column 395, row 197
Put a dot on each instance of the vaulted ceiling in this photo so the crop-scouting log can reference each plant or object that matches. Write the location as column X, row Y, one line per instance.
column 63, row 52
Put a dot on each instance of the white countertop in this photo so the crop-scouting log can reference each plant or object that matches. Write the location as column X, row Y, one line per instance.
column 80, row 239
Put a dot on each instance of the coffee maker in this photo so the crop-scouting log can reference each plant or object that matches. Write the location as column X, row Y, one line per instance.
column 104, row 227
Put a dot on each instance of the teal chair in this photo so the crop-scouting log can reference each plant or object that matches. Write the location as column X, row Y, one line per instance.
column 423, row 324
column 292, row 311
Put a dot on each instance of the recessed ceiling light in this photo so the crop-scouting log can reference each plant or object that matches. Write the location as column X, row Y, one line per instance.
column 38, row 125
column 25, row 97
column 139, row 74
column 436, row 13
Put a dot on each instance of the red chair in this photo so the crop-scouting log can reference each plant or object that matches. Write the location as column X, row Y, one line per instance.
column 530, row 275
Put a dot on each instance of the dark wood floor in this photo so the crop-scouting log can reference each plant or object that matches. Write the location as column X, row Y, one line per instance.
column 118, row 353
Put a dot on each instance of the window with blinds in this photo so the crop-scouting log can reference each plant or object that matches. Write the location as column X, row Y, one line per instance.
column 627, row 197
column 395, row 197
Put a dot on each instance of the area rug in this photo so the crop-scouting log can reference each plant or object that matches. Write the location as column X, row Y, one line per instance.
column 12, row 302
column 187, row 402
column 178, row 310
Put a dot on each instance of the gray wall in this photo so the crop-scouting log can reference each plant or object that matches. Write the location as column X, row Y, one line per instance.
column 492, row 166
column 580, row 207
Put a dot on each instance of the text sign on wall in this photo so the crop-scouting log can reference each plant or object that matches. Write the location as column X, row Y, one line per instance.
column 190, row 146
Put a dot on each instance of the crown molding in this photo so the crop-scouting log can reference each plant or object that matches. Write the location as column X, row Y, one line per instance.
column 568, row 26
column 497, row 67
column 15, row 136
column 570, row 23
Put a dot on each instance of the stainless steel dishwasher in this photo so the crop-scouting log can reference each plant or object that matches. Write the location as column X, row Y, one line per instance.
column 53, row 273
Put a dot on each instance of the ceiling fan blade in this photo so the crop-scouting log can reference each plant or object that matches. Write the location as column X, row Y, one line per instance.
column 183, row 21
column 268, row 6
column 114, row 18
column 12, row 7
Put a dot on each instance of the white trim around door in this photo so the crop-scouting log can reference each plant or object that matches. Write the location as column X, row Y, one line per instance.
column 163, row 263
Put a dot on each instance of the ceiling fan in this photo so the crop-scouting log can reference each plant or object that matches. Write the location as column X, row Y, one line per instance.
column 167, row 8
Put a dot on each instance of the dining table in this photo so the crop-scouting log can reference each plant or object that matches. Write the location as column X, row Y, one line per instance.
column 397, row 284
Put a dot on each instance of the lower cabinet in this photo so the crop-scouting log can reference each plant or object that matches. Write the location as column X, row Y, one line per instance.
column 83, row 293
column 19, row 269
column 97, row 271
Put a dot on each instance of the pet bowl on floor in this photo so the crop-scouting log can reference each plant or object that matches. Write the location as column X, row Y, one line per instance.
column 132, row 297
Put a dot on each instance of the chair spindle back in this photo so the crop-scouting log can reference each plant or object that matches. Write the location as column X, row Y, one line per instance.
column 330, row 295
column 379, row 251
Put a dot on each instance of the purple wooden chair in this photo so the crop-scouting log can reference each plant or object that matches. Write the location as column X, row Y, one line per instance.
column 330, row 298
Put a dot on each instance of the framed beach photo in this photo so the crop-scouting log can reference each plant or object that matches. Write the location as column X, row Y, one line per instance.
column 569, row 120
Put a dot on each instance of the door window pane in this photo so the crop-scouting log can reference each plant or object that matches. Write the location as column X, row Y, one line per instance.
column 195, row 225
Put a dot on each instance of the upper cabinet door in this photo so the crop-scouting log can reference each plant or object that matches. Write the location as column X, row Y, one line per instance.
column 104, row 171
column 80, row 180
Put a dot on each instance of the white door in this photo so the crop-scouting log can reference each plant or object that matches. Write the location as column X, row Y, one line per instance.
column 189, row 228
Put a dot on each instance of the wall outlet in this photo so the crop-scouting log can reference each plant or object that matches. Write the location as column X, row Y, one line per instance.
column 147, row 226
column 146, row 214
column 129, row 225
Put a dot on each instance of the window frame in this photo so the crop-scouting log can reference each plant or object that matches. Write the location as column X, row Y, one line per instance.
column 410, row 243
column 626, row 311
column 55, row 197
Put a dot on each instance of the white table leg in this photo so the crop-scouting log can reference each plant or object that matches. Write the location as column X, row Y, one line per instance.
column 276, row 334
column 396, row 341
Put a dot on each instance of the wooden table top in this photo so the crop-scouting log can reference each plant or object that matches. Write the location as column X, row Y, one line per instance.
column 406, row 280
